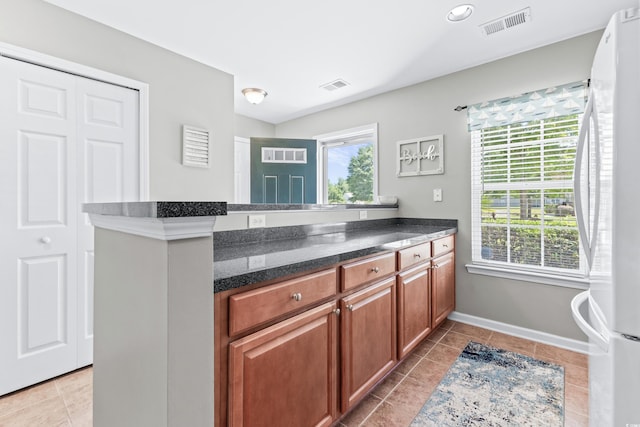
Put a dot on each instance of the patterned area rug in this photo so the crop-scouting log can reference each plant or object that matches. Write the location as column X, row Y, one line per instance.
column 487, row 386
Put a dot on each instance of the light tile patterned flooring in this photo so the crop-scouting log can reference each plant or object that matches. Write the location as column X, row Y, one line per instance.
column 67, row 401
column 397, row 400
column 64, row 401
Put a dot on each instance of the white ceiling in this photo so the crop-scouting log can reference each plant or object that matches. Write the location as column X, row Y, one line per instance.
column 291, row 47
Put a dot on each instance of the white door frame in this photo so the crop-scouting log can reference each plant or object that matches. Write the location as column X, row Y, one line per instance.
column 241, row 194
column 37, row 58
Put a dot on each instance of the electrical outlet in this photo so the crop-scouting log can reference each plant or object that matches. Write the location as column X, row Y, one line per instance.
column 363, row 214
column 257, row 221
column 257, row 261
column 437, row 194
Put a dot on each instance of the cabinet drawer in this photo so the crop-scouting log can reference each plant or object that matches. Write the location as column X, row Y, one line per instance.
column 251, row 308
column 413, row 255
column 442, row 246
column 366, row 270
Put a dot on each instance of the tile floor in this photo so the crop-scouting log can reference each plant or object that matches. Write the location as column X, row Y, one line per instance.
column 63, row 401
column 67, row 401
column 397, row 400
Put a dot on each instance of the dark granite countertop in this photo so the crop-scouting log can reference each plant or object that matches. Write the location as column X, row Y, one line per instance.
column 244, row 257
column 157, row 209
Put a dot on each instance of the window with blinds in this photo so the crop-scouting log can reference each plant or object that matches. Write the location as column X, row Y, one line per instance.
column 522, row 195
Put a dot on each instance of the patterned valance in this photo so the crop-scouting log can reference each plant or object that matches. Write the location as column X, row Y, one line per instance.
column 540, row 104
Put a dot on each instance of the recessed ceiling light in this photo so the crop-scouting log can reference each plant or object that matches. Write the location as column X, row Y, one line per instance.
column 460, row 13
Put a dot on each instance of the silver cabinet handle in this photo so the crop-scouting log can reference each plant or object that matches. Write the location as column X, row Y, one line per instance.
column 297, row 296
column 444, row 245
column 436, row 266
column 45, row 240
column 417, row 256
column 375, row 269
column 350, row 307
column 337, row 311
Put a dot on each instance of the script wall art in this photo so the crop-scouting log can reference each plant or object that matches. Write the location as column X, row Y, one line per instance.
column 420, row 156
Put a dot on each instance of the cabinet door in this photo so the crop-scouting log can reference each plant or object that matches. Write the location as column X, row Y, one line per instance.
column 286, row 374
column 368, row 339
column 414, row 308
column 443, row 287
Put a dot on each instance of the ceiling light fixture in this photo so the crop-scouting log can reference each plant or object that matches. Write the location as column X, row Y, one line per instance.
column 460, row 13
column 254, row 95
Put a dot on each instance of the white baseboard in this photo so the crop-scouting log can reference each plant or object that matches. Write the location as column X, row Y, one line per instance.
column 518, row 331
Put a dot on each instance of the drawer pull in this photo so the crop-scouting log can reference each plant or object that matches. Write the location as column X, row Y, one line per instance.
column 417, row 256
column 297, row 296
column 375, row 269
column 337, row 311
column 444, row 245
column 436, row 266
column 350, row 307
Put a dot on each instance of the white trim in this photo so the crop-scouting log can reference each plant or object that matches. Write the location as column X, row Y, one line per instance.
column 518, row 331
column 347, row 133
column 508, row 269
column 573, row 282
column 38, row 58
column 241, row 195
column 157, row 228
column 327, row 139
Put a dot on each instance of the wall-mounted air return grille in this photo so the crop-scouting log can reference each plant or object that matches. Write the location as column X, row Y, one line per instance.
column 195, row 147
column 506, row 22
column 334, row 85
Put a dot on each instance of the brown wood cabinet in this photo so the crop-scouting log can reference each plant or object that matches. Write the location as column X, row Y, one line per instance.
column 358, row 273
column 286, row 375
column 443, row 286
column 414, row 255
column 368, row 338
column 414, row 307
column 303, row 351
column 252, row 308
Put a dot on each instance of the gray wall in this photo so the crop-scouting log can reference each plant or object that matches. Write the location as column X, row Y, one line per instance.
column 153, row 316
column 182, row 91
column 246, row 127
column 185, row 91
column 427, row 109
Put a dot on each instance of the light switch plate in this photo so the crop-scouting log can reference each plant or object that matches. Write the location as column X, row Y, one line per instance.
column 257, row 221
column 437, row 194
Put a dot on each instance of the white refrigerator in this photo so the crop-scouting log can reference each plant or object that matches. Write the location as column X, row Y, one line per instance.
column 607, row 198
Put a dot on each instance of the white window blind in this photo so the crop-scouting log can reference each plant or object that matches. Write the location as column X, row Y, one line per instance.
column 522, row 196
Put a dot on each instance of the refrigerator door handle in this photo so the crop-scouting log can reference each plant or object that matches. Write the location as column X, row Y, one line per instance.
column 583, row 324
column 582, row 218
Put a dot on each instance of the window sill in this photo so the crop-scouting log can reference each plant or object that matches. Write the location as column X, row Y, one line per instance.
column 573, row 282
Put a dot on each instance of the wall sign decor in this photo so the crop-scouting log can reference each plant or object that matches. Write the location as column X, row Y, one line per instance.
column 420, row 156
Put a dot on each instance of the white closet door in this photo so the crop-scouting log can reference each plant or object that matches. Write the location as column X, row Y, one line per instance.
column 108, row 161
column 39, row 222
column 64, row 140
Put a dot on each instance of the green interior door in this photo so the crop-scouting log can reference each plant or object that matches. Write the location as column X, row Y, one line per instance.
column 283, row 170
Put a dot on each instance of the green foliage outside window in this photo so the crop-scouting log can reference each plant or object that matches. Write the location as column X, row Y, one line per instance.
column 358, row 187
column 525, row 219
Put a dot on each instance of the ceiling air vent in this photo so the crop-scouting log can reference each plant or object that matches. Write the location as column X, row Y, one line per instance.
column 195, row 147
column 334, row 85
column 506, row 22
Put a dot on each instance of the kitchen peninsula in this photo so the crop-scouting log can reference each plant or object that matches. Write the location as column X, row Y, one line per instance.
column 340, row 291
